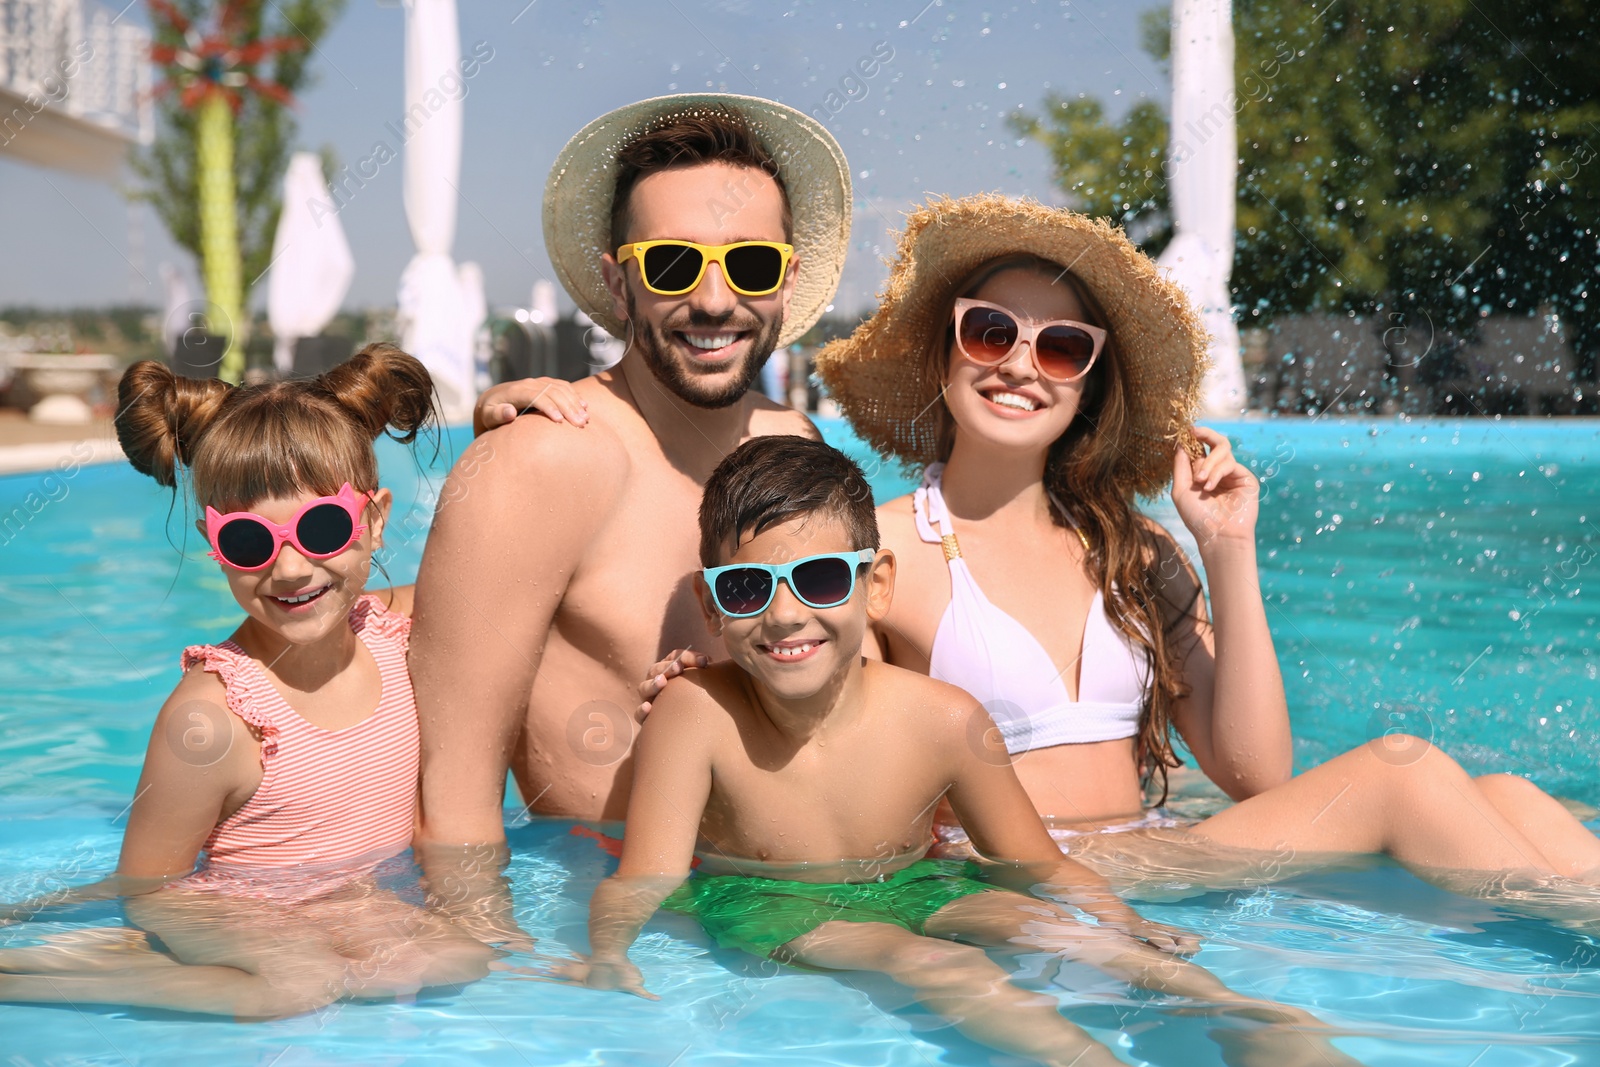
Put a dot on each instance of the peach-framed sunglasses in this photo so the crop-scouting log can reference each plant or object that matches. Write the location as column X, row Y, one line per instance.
column 1063, row 349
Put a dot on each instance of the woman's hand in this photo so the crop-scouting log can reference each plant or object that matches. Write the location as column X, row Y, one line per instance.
column 675, row 664
column 1216, row 496
column 553, row 398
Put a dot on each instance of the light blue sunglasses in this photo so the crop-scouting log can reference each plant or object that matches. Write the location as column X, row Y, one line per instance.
column 741, row 590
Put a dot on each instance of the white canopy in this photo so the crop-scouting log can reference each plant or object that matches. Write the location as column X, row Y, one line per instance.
column 437, row 325
column 180, row 305
column 311, row 262
column 1202, row 159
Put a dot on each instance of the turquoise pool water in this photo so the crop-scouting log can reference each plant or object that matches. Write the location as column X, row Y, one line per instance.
column 1423, row 575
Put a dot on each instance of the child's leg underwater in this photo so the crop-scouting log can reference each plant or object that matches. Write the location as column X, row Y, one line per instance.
column 257, row 977
column 243, row 959
column 110, row 948
column 396, row 949
column 1015, row 923
column 960, row 983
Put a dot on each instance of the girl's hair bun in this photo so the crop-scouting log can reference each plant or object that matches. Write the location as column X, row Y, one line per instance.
column 161, row 417
column 381, row 386
column 248, row 443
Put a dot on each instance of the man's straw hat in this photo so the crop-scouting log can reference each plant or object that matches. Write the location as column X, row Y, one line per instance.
column 879, row 374
column 583, row 181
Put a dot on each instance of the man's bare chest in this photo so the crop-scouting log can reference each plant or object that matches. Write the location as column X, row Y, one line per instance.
column 634, row 587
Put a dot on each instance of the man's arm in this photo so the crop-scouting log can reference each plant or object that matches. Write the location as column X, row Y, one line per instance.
column 671, row 782
column 513, row 522
column 1004, row 827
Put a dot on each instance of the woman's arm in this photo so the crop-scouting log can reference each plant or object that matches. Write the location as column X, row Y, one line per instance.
column 1235, row 718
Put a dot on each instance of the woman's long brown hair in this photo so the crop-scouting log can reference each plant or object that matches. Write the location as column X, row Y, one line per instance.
column 1124, row 556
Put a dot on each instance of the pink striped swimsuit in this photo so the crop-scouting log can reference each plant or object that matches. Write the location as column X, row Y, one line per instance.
column 342, row 799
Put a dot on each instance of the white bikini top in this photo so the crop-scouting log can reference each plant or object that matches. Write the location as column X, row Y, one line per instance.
column 993, row 656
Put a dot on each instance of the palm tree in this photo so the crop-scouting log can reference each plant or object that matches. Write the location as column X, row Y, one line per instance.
column 210, row 73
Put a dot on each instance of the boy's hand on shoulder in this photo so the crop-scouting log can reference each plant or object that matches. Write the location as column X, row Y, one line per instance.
column 675, row 663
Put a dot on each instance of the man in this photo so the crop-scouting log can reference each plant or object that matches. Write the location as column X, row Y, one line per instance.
column 560, row 564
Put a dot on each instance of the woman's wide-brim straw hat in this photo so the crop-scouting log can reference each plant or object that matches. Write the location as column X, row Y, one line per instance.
column 583, row 182
column 880, row 374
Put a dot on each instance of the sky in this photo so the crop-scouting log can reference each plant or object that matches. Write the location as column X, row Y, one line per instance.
column 930, row 121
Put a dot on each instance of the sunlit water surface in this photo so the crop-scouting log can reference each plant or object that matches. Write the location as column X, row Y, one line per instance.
column 1424, row 576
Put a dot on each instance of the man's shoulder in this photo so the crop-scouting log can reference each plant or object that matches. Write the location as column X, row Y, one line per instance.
column 533, row 446
column 770, row 419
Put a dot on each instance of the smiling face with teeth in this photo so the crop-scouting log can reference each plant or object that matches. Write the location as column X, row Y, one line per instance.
column 1011, row 406
column 793, row 652
column 299, row 600
column 707, row 345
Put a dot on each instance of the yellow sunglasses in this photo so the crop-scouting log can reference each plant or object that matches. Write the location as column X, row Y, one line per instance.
column 672, row 268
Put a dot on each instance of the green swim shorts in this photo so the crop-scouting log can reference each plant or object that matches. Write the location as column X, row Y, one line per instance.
column 760, row 915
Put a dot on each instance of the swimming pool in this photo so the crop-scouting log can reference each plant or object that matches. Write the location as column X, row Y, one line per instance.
column 1424, row 576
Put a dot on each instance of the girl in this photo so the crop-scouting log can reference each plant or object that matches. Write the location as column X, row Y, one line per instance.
column 287, row 754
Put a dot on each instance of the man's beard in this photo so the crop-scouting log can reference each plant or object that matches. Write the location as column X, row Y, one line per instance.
column 656, row 345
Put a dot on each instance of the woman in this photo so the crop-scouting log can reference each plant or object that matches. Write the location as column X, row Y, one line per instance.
column 1044, row 374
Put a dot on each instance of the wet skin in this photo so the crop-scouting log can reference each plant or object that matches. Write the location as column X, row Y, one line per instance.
column 559, row 565
column 819, row 765
column 228, row 953
column 1398, row 795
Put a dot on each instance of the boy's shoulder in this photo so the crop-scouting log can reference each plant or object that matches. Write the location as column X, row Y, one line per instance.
column 686, row 699
column 716, row 698
column 931, row 700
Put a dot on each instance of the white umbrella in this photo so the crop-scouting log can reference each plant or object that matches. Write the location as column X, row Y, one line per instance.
column 180, row 306
column 1203, row 158
column 434, row 320
column 543, row 309
column 311, row 262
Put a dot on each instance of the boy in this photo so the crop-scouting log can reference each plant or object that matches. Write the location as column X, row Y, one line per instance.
column 810, row 776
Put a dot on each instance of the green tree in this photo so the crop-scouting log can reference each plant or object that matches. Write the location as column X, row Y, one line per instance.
column 214, row 172
column 1442, row 156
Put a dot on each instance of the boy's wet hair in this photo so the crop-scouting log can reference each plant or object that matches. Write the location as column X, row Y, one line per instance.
column 715, row 135
column 242, row 444
column 771, row 480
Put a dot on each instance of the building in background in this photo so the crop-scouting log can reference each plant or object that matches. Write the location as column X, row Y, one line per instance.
column 75, row 85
